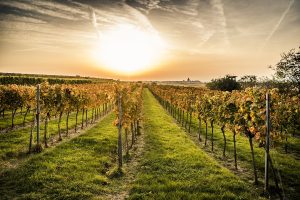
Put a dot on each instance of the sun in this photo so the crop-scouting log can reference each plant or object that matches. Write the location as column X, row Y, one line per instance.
column 127, row 49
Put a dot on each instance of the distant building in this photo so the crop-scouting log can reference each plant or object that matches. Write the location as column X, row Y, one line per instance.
column 231, row 77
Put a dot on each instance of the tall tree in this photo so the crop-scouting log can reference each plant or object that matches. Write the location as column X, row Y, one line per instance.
column 288, row 68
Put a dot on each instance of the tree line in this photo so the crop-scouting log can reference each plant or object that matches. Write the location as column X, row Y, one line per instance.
column 286, row 77
column 20, row 80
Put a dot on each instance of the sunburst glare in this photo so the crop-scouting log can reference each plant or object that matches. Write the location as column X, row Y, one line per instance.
column 128, row 49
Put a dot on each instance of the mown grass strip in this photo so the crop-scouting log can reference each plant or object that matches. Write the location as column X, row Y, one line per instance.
column 73, row 170
column 173, row 167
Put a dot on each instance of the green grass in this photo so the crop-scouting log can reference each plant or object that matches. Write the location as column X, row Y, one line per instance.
column 288, row 165
column 173, row 167
column 14, row 144
column 18, row 121
column 293, row 145
column 73, row 170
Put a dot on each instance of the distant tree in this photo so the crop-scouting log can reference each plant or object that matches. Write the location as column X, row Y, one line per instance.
column 288, row 68
column 248, row 81
column 283, row 87
column 188, row 79
column 227, row 83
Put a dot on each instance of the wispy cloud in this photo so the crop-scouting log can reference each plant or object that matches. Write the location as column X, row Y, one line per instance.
column 277, row 25
column 31, row 49
column 93, row 19
column 221, row 19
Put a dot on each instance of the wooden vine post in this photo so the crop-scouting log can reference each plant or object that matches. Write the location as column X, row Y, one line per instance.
column 268, row 126
column 120, row 132
column 267, row 141
column 38, row 114
column 268, row 160
column 38, row 147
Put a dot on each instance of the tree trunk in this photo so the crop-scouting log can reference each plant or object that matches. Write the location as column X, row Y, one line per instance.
column 205, row 142
column 67, row 122
column 120, row 156
column 126, row 141
column 76, row 119
column 294, row 127
column 86, row 117
column 31, row 135
column 286, row 142
column 199, row 130
column 46, row 131
column 224, row 138
column 28, row 108
column 212, row 135
column 59, row 129
column 190, row 122
column 138, row 132
column 182, row 118
column 234, row 149
column 187, row 119
column 13, row 113
column 94, row 115
column 174, row 111
column 132, row 135
column 135, row 129
column 253, row 161
column 82, row 118
column 103, row 109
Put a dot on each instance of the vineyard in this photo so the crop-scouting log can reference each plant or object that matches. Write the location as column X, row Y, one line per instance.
column 147, row 141
column 149, row 100
column 243, row 113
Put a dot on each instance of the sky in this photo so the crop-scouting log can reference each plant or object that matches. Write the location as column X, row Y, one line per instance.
column 203, row 39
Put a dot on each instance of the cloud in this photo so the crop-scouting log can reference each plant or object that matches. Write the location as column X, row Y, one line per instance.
column 213, row 26
column 93, row 19
column 286, row 11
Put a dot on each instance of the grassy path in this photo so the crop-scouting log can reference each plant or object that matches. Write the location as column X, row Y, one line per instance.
column 73, row 170
column 173, row 167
